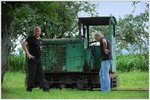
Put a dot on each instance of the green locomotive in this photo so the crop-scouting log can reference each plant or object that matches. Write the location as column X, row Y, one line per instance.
column 73, row 62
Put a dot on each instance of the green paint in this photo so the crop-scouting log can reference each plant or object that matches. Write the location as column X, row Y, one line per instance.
column 73, row 54
column 63, row 55
column 113, row 55
column 88, row 60
column 113, row 43
column 75, row 57
column 97, row 58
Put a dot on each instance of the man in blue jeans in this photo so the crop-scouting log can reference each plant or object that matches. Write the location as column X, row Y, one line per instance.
column 106, row 55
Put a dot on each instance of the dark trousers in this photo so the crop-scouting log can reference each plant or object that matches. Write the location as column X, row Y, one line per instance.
column 35, row 70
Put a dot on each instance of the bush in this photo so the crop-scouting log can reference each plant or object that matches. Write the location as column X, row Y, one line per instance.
column 16, row 62
column 132, row 62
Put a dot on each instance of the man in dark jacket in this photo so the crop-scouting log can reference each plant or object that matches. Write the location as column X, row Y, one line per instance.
column 106, row 55
column 34, row 60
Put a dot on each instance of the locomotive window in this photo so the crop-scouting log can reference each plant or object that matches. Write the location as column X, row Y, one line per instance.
column 103, row 29
column 82, row 30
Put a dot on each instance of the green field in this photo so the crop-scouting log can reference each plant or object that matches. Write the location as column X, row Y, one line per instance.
column 13, row 87
column 124, row 62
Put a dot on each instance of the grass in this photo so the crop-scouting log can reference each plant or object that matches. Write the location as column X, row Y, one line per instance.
column 13, row 87
column 133, row 80
column 130, row 62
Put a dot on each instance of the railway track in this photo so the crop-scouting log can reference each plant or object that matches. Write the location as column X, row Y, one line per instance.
column 130, row 90
column 126, row 90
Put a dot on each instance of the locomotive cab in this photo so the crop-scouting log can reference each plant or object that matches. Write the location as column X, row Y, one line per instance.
column 92, row 52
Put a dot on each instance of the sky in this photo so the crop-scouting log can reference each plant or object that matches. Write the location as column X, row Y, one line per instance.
column 116, row 8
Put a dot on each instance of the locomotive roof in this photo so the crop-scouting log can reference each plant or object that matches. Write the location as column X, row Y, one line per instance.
column 96, row 20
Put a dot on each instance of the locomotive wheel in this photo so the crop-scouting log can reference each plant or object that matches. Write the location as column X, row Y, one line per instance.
column 80, row 86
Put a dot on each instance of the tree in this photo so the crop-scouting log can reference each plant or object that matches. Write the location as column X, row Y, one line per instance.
column 64, row 24
column 20, row 50
column 7, row 10
column 133, row 31
column 8, row 16
column 68, row 16
column 19, row 19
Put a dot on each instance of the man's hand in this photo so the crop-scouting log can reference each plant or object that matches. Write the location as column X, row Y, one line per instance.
column 106, row 51
column 40, row 48
column 26, row 50
column 30, row 56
